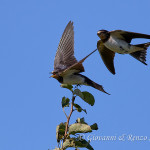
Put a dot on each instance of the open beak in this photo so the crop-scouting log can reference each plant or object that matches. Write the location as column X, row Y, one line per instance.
column 53, row 76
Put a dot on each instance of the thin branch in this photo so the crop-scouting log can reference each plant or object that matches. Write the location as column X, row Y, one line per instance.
column 65, row 112
column 68, row 118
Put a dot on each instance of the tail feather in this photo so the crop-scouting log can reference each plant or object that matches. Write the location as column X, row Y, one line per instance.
column 144, row 46
column 89, row 82
column 141, row 55
column 95, row 85
column 98, row 87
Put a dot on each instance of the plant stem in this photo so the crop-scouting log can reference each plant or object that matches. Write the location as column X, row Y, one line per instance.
column 68, row 118
column 65, row 112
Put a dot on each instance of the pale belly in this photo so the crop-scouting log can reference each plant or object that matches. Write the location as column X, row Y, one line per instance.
column 118, row 46
column 73, row 79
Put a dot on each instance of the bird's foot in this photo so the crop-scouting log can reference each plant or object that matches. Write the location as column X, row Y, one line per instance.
column 78, row 85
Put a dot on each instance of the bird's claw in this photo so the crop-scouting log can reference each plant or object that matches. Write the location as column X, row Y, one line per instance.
column 78, row 85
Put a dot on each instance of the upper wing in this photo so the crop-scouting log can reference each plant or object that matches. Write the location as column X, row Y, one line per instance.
column 128, row 36
column 107, row 56
column 77, row 67
column 65, row 52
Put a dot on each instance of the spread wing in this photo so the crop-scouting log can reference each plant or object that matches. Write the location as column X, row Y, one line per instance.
column 128, row 36
column 77, row 67
column 107, row 56
column 65, row 52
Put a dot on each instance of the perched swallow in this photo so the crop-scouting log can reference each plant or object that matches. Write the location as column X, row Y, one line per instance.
column 66, row 68
column 118, row 41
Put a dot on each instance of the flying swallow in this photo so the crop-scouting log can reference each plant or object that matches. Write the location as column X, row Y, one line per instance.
column 66, row 68
column 118, row 41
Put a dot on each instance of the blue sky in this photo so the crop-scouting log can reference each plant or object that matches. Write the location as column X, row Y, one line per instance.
column 30, row 102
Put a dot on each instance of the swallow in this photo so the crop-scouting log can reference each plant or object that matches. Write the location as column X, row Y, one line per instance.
column 118, row 41
column 66, row 67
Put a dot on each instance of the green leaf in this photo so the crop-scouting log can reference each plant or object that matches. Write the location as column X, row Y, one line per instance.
column 79, row 109
column 94, row 126
column 84, row 110
column 88, row 97
column 78, row 93
column 60, row 131
column 79, row 128
column 76, row 142
column 68, row 143
column 65, row 102
column 67, row 86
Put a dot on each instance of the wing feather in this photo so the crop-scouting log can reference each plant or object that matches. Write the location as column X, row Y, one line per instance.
column 107, row 56
column 127, row 35
column 65, row 51
column 76, row 67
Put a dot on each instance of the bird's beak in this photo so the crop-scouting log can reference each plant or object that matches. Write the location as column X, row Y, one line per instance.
column 98, row 33
column 53, row 76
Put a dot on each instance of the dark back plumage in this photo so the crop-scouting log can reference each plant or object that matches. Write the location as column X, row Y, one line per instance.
column 127, row 35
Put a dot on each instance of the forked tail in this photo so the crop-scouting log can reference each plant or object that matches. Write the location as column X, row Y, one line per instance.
column 98, row 87
column 141, row 54
column 94, row 85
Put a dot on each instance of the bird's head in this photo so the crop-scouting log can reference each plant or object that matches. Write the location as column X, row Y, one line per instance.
column 103, row 34
column 55, row 75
